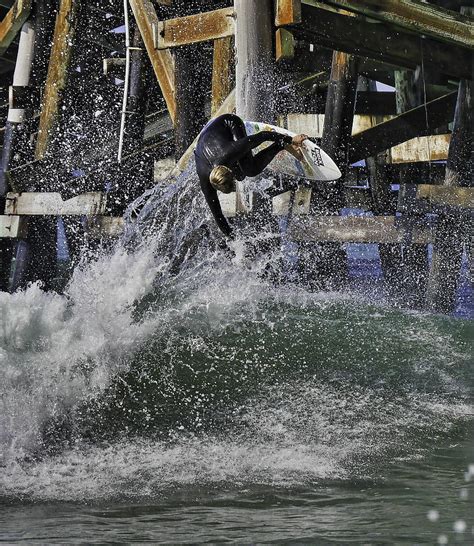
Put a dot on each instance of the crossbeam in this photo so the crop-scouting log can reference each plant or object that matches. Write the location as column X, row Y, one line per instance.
column 416, row 16
column 192, row 29
column 429, row 197
column 404, row 127
column 12, row 23
column 162, row 62
column 357, row 229
column 323, row 25
column 52, row 204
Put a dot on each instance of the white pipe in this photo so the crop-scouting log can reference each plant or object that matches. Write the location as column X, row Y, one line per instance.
column 126, row 82
column 24, row 61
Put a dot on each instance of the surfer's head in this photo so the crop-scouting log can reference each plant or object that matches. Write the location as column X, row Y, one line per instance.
column 222, row 179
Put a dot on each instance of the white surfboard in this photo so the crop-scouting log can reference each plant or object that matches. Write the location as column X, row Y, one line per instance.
column 309, row 161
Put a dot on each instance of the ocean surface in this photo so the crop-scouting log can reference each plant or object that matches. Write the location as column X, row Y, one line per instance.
column 173, row 394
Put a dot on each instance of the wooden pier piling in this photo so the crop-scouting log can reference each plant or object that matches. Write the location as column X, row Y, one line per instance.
column 183, row 63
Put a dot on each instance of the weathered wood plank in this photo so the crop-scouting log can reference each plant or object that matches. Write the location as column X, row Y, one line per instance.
column 12, row 227
column 288, row 12
column 356, row 198
column 52, row 204
column 284, row 45
column 105, row 226
column 57, row 73
column 427, row 148
column 356, row 229
column 161, row 61
column 416, row 16
column 418, row 149
column 191, row 29
column 430, row 196
column 322, row 25
column 402, row 128
column 12, row 23
column 222, row 72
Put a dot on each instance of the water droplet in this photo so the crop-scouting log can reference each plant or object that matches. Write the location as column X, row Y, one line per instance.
column 459, row 526
column 433, row 515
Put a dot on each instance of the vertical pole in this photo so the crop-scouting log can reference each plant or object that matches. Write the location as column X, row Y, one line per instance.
column 255, row 86
column 338, row 119
column 192, row 82
column 325, row 265
column 382, row 203
column 191, row 85
column 222, row 72
column 414, row 258
column 451, row 231
column 13, row 132
column 254, row 78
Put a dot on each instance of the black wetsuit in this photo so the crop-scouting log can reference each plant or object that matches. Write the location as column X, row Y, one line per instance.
column 224, row 141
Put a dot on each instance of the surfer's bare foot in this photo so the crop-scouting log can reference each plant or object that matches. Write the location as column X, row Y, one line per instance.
column 299, row 139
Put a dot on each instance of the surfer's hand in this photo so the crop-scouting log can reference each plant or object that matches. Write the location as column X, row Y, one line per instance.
column 299, row 139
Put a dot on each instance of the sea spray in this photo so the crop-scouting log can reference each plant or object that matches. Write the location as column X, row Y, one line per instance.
column 151, row 372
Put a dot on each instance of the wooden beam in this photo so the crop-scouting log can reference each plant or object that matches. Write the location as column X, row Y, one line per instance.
column 12, row 23
column 402, row 128
column 201, row 27
column 161, row 61
column 356, row 198
column 12, row 227
column 432, row 198
column 416, row 16
column 288, row 12
column 52, row 204
column 57, row 74
column 426, row 148
column 356, row 229
column 322, row 25
column 108, row 226
column 222, row 71
column 284, row 45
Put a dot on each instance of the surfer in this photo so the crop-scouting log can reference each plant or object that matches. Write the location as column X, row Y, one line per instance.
column 224, row 154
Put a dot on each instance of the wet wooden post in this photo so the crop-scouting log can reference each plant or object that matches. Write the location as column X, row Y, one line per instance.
column 37, row 256
column 412, row 276
column 223, row 72
column 191, row 85
column 328, row 261
column 13, row 139
column 382, row 204
column 255, row 84
column 452, row 230
column 254, row 77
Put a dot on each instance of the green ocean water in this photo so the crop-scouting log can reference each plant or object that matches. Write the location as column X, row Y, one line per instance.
column 160, row 404
column 283, row 417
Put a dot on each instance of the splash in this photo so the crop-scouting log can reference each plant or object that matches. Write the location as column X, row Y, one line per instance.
column 170, row 361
